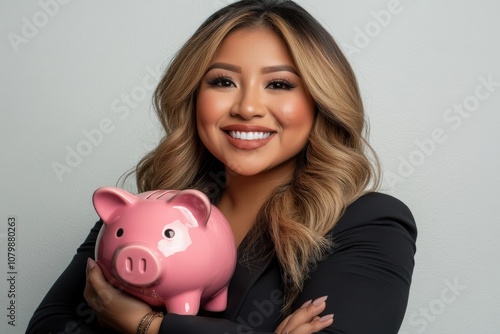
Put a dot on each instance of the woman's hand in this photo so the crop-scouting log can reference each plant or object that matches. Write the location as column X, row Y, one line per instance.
column 114, row 309
column 305, row 320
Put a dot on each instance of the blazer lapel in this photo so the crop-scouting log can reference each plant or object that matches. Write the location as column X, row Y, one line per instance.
column 247, row 272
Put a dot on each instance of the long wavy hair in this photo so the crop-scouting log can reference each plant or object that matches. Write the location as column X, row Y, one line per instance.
column 333, row 169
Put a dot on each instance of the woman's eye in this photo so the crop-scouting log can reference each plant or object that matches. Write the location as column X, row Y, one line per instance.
column 221, row 82
column 281, row 85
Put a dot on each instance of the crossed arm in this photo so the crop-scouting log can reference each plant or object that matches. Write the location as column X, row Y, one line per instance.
column 366, row 277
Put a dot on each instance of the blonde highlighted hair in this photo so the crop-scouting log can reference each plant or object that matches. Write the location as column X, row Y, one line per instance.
column 332, row 170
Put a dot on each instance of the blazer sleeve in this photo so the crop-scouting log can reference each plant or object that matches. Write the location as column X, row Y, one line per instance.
column 64, row 310
column 367, row 275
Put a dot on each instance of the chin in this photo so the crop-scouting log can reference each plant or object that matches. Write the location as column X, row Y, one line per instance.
column 244, row 171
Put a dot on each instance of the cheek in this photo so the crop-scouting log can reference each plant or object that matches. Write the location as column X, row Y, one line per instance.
column 203, row 107
column 297, row 113
column 205, row 116
column 211, row 105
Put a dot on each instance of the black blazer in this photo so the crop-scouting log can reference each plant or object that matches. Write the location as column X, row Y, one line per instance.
column 366, row 276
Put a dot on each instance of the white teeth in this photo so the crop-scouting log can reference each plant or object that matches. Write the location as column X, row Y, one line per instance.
column 249, row 135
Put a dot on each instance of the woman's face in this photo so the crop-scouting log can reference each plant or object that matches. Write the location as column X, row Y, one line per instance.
column 253, row 111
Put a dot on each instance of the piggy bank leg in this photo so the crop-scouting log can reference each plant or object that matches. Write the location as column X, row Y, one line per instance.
column 187, row 303
column 218, row 302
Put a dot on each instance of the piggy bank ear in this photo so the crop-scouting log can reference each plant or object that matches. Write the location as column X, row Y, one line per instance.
column 194, row 204
column 110, row 201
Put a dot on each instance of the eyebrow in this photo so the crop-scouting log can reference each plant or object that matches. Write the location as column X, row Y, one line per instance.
column 224, row 66
column 265, row 70
column 279, row 68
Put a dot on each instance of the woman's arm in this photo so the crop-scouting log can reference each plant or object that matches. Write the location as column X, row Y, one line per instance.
column 366, row 277
column 64, row 310
column 123, row 313
column 368, row 274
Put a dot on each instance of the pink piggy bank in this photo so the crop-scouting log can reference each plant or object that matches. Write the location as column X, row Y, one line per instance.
column 166, row 247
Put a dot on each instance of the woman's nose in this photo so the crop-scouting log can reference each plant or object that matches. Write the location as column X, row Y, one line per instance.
column 249, row 104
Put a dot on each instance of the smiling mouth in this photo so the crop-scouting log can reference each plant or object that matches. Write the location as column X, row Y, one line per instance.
column 249, row 135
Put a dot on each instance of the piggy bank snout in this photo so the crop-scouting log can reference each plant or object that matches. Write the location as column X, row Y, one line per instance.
column 137, row 265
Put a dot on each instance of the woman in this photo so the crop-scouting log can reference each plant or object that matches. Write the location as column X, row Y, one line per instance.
column 263, row 96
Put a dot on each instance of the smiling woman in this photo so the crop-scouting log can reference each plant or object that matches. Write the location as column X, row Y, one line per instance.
column 247, row 90
column 262, row 94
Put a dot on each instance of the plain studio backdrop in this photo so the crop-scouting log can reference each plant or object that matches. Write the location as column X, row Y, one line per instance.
column 76, row 85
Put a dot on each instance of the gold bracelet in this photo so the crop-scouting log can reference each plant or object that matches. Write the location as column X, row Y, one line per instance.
column 150, row 321
column 143, row 320
column 146, row 322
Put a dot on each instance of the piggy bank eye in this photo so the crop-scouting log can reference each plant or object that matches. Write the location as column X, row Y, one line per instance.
column 169, row 233
column 119, row 233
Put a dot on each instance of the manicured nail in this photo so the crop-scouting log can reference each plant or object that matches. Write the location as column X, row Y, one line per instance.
column 319, row 301
column 306, row 304
column 326, row 318
column 90, row 263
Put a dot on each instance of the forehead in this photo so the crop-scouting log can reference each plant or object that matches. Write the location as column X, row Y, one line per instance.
column 253, row 46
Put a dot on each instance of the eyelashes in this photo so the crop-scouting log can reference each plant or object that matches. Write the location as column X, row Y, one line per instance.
column 223, row 81
column 281, row 83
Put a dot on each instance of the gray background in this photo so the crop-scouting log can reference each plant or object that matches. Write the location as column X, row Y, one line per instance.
column 74, row 70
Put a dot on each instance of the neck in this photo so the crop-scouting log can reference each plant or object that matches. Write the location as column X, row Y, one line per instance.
column 245, row 195
column 243, row 192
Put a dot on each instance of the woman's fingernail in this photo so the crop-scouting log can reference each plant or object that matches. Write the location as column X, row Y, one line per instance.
column 319, row 301
column 306, row 304
column 326, row 318
column 90, row 263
